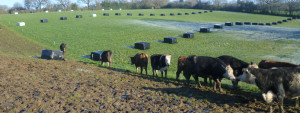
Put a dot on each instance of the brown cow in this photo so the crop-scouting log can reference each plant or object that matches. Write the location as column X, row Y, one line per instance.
column 63, row 47
column 267, row 64
column 140, row 60
column 180, row 65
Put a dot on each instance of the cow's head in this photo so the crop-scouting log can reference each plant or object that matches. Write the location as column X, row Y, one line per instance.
column 229, row 73
column 247, row 76
column 132, row 60
column 168, row 60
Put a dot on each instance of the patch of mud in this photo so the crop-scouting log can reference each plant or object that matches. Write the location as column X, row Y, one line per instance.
column 250, row 32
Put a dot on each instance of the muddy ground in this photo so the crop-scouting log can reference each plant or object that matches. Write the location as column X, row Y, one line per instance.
column 36, row 85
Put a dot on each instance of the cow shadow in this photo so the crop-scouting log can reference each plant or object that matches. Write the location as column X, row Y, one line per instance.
column 132, row 47
column 161, row 41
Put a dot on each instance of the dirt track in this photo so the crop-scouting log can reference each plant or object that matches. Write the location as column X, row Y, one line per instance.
column 35, row 85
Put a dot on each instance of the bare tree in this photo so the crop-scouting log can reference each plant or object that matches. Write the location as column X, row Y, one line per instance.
column 39, row 3
column 64, row 3
column 87, row 2
column 28, row 4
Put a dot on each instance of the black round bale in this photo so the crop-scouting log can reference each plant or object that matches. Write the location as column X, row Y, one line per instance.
column 247, row 23
column 199, row 12
column 170, row 40
column 142, row 45
column 162, row 15
column 261, row 24
column 172, row 14
column 152, row 14
column 44, row 21
column 204, row 30
column 239, row 23
column 268, row 24
column 274, row 23
column 141, row 14
column 193, row 12
column 188, row 35
column 289, row 18
column 187, row 13
column 78, row 16
column 279, row 22
column 129, row 14
column 179, row 13
column 105, row 14
column 294, row 17
column 63, row 18
column 118, row 14
column 210, row 10
column 228, row 24
column 218, row 26
column 205, row 11
column 254, row 23
column 31, row 11
column 284, row 20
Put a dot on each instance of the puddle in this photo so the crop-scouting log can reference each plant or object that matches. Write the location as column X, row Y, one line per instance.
column 87, row 56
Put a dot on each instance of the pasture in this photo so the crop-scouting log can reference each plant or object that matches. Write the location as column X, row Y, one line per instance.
column 119, row 33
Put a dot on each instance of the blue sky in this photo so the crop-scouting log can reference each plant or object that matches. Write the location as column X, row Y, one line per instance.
column 10, row 3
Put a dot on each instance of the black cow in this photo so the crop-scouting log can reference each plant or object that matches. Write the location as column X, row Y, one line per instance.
column 160, row 62
column 106, row 56
column 204, row 66
column 279, row 82
column 237, row 65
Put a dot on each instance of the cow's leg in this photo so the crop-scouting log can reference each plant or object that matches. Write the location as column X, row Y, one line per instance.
column 136, row 69
column 197, row 80
column 146, row 70
column 205, row 80
column 141, row 70
column 166, row 71
column 162, row 74
column 297, row 102
column 153, row 72
column 101, row 63
column 110, row 63
column 220, row 85
column 187, row 77
column 271, row 107
column 156, row 72
column 178, row 73
column 210, row 82
column 215, row 84
column 280, row 96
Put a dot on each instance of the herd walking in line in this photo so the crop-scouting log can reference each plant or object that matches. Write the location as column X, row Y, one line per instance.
column 275, row 79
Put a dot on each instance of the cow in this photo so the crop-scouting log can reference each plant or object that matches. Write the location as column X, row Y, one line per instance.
column 160, row 62
column 204, row 66
column 180, row 65
column 63, row 47
column 267, row 64
column 106, row 56
column 140, row 60
column 276, row 82
column 237, row 65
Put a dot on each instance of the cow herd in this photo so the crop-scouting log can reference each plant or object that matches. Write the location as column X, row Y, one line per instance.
column 276, row 80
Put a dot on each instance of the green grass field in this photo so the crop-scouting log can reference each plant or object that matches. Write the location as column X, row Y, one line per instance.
column 88, row 34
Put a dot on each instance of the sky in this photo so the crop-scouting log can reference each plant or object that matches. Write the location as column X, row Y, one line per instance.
column 10, row 3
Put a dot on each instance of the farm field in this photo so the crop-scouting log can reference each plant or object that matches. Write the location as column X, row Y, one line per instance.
column 119, row 33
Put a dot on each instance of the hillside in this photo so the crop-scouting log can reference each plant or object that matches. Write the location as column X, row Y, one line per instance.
column 35, row 85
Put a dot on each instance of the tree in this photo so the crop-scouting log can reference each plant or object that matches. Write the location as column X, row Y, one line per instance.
column 28, row 4
column 74, row 6
column 87, row 2
column 39, row 3
column 64, row 3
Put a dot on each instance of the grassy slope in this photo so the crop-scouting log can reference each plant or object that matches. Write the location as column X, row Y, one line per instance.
column 115, row 32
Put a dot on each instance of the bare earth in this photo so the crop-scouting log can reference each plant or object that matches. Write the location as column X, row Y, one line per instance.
column 35, row 85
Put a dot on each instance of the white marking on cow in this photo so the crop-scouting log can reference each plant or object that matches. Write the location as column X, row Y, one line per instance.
column 229, row 73
column 268, row 97
column 247, row 77
column 168, row 60
column 164, row 68
column 253, row 66
column 295, row 86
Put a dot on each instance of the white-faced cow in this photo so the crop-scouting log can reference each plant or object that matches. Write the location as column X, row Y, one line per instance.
column 204, row 66
column 275, row 83
column 267, row 64
column 106, row 56
column 140, row 60
column 63, row 47
column 237, row 65
column 180, row 65
column 160, row 62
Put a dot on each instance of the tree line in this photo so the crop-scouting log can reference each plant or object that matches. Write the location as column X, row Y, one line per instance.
column 273, row 7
